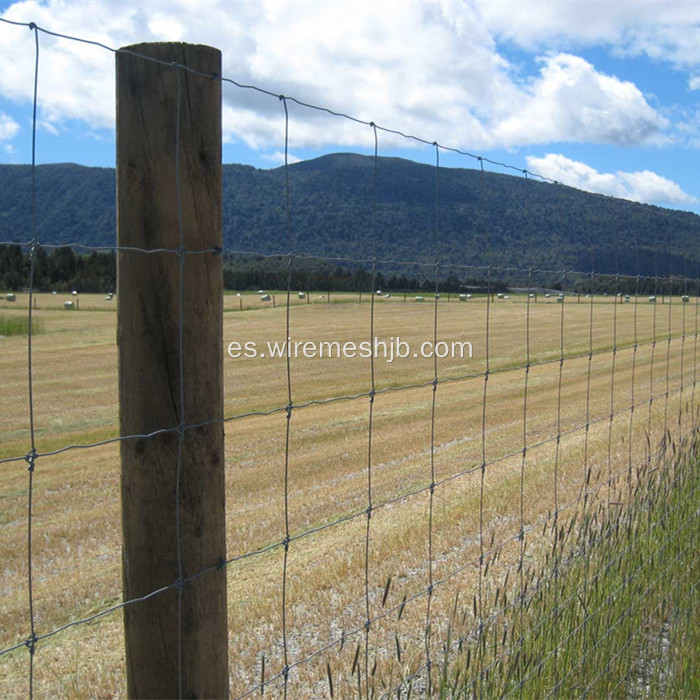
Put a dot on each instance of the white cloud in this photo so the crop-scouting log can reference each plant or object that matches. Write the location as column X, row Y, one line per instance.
column 278, row 158
column 694, row 83
column 571, row 101
column 8, row 127
column 640, row 186
column 47, row 126
column 427, row 68
column 538, row 23
column 666, row 30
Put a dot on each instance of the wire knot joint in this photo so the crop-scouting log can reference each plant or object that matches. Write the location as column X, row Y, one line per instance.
column 30, row 459
column 30, row 643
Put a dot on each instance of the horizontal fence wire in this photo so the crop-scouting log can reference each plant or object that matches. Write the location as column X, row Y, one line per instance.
column 603, row 507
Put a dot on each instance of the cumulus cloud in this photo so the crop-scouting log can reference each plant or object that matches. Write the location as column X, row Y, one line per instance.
column 8, row 127
column 640, row 186
column 432, row 69
column 571, row 101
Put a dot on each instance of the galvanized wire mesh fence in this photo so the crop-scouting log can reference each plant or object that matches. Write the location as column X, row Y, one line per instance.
column 452, row 526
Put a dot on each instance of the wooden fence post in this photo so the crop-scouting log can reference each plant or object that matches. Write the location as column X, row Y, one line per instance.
column 176, row 641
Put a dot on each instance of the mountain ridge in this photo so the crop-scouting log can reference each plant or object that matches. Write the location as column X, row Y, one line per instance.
column 483, row 218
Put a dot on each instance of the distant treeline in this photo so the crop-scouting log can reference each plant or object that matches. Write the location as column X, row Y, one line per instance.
column 60, row 270
column 255, row 272
column 63, row 269
column 611, row 284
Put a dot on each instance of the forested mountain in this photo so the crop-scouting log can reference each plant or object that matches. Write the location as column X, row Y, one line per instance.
column 483, row 218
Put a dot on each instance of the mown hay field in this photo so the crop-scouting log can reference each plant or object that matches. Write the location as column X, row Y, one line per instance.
column 642, row 354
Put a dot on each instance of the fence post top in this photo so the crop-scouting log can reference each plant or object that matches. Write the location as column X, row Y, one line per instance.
column 177, row 52
column 166, row 45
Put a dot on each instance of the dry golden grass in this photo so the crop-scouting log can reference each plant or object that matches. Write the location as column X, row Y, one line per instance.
column 76, row 529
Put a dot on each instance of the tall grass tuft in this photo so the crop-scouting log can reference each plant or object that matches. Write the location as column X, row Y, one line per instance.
column 614, row 612
column 19, row 325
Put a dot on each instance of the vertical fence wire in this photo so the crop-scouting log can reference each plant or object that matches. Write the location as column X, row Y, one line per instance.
column 585, row 485
column 654, row 299
column 481, row 637
column 669, row 339
column 32, row 455
column 520, row 655
column 684, row 300
column 611, row 404
column 372, row 393
column 433, row 404
column 633, row 380
column 557, row 455
column 696, row 332
column 290, row 405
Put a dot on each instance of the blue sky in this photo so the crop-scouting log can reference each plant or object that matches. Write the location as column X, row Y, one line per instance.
column 599, row 95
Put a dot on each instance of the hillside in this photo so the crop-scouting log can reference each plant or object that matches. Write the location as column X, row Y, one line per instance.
column 484, row 218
